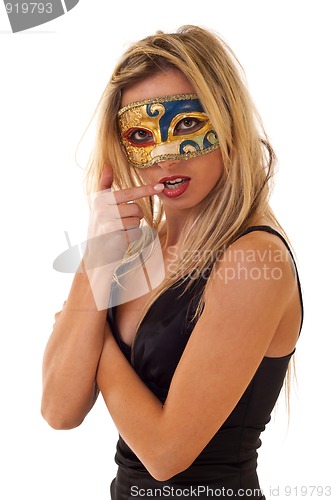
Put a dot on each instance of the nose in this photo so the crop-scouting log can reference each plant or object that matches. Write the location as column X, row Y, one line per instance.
column 167, row 164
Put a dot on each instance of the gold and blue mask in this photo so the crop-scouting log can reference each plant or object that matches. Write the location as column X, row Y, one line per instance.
column 165, row 128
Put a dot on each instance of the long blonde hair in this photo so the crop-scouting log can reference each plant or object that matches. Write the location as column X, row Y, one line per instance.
column 242, row 194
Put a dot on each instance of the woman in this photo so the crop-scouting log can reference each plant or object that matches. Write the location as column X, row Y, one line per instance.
column 190, row 368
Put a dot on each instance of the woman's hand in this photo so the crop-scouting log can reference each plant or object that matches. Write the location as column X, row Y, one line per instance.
column 114, row 221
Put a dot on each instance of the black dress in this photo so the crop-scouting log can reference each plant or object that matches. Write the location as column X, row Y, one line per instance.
column 227, row 465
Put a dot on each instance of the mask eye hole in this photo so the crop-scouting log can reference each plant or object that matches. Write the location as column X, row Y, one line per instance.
column 140, row 137
column 188, row 125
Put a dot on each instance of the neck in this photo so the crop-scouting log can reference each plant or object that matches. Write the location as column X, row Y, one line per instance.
column 176, row 224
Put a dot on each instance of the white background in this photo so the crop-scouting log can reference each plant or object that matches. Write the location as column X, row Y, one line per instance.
column 51, row 79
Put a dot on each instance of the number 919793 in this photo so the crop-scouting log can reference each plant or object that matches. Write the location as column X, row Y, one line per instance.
column 29, row 8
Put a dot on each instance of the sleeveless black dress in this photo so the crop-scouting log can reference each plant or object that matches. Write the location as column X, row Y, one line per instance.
column 227, row 465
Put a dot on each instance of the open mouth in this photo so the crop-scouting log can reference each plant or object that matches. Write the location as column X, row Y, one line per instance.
column 174, row 183
column 175, row 186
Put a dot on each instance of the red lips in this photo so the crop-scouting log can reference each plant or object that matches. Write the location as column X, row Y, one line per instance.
column 175, row 191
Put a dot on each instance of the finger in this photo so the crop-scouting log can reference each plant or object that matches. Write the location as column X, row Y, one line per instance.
column 56, row 317
column 113, row 215
column 110, row 228
column 131, row 222
column 135, row 193
column 133, row 234
column 106, row 178
column 129, row 210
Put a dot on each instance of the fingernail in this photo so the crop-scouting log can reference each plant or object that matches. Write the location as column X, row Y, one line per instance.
column 159, row 187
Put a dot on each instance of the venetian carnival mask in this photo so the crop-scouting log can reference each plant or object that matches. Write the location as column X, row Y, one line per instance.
column 165, row 128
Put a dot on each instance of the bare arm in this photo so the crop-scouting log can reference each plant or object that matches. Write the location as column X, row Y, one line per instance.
column 71, row 358
column 74, row 348
column 235, row 330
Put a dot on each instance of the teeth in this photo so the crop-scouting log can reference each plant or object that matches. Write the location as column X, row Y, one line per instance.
column 174, row 181
column 179, row 179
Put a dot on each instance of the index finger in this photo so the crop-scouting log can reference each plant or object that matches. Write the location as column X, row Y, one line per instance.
column 106, row 179
column 135, row 193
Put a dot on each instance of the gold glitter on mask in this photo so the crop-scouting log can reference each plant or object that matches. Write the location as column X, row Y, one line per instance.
column 165, row 128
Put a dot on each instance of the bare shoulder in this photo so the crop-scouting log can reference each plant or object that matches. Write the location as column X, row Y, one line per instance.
column 257, row 263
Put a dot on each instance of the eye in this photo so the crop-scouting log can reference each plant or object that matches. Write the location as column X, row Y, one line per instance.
column 188, row 126
column 140, row 137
